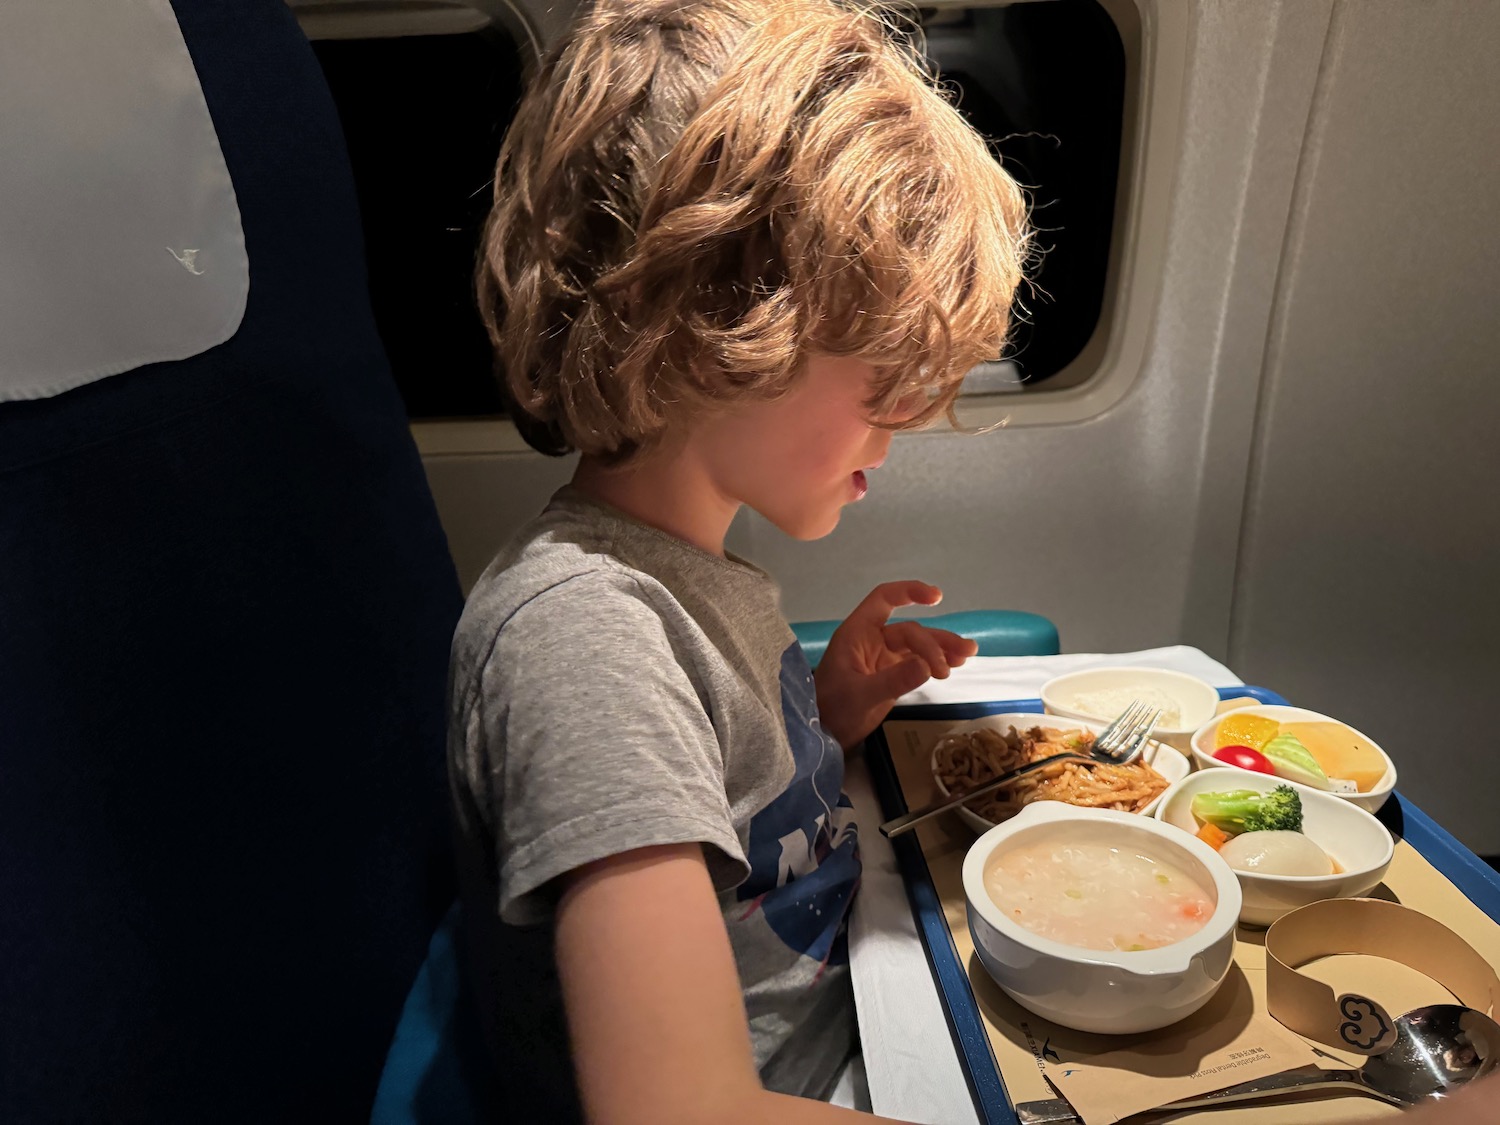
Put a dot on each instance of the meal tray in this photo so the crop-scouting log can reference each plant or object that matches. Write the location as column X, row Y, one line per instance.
column 1465, row 871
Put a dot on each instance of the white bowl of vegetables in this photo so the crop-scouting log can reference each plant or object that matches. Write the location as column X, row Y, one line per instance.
column 1303, row 747
column 1288, row 845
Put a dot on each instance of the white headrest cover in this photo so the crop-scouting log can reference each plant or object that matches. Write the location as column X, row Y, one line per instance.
column 120, row 239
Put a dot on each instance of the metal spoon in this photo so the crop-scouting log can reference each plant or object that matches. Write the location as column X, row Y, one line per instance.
column 1437, row 1049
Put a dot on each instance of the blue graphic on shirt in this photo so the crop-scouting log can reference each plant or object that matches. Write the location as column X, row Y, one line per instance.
column 804, row 848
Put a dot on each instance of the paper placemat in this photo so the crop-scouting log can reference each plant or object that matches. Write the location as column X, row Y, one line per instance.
column 1024, row 1044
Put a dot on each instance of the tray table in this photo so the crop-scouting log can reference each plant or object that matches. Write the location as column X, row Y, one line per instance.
column 1431, row 857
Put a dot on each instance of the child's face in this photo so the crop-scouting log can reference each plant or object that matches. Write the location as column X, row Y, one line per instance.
column 798, row 460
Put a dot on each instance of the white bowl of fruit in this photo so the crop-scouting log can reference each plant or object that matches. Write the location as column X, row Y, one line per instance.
column 1298, row 746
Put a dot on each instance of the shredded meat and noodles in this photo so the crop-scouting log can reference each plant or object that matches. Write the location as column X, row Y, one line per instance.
column 964, row 760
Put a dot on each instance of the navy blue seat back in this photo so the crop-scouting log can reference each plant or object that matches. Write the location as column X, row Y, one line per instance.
column 225, row 610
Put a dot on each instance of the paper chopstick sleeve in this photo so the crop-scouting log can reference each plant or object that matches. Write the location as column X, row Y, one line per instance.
column 1371, row 926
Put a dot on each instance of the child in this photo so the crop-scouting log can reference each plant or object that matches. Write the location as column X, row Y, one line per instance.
column 735, row 246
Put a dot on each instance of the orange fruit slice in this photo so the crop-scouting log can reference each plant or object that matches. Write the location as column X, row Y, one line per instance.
column 1253, row 731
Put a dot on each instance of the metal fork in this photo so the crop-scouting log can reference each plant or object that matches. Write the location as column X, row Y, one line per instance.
column 1118, row 744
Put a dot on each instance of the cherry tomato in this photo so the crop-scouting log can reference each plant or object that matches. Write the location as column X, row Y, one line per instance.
column 1245, row 758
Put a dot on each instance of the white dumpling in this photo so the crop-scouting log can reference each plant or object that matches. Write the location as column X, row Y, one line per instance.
column 1276, row 853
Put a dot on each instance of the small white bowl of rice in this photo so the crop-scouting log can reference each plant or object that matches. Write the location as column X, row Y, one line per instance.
column 1101, row 694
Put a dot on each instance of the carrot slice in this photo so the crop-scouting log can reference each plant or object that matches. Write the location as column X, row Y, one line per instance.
column 1214, row 836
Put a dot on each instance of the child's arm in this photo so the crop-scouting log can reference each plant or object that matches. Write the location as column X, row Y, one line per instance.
column 870, row 663
column 655, row 1015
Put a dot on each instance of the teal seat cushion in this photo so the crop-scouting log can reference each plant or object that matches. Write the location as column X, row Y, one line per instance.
column 1000, row 632
column 435, row 1071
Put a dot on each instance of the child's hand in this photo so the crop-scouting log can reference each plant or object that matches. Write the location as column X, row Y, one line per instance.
column 871, row 662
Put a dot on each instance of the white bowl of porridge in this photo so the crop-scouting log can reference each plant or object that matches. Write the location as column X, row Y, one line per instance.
column 1108, row 922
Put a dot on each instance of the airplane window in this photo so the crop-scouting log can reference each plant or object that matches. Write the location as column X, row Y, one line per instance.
column 1044, row 83
column 423, row 116
column 1042, row 80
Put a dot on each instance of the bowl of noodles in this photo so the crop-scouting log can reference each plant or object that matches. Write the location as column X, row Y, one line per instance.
column 973, row 752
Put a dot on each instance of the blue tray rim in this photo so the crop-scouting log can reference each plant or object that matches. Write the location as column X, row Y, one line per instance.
column 1466, row 871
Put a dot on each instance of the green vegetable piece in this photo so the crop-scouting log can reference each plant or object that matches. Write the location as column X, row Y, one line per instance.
column 1244, row 810
column 1295, row 762
column 1073, row 893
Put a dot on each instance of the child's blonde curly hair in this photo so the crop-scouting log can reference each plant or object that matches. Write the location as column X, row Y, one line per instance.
column 695, row 196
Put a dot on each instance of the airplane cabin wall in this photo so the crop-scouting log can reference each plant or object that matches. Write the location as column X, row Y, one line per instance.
column 1367, row 572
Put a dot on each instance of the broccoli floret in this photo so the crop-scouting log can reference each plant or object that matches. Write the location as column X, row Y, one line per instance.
column 1244, row 810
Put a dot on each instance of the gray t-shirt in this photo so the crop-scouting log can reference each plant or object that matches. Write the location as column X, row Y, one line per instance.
column 615, row 688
